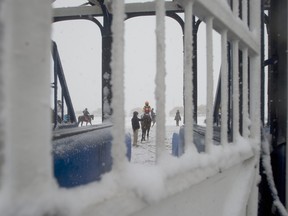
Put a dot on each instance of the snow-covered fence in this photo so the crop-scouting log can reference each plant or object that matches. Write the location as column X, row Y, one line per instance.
column 243, row 37
column 173, row 186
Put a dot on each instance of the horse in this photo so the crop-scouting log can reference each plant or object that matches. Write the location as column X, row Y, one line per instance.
column 82, row 119
column 145, row 126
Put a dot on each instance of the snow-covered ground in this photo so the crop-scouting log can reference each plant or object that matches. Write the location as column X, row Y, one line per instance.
column 145, row 152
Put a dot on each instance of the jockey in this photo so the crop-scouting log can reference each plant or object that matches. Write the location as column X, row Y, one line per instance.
column 147, row 108
column 86, row 113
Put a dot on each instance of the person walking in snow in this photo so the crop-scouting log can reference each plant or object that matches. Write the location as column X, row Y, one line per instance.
column 177, row 117
column 135, row 126
column 153, row 116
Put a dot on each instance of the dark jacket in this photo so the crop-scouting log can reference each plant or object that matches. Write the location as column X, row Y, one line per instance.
column 177, row 116
column 135, row 122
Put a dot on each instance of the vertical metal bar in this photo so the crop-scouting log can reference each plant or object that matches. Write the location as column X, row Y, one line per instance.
column 286, row 188
column 62, row 106
column 224, row 88
column 55, row 87
column 160, row 78
column 235, row 90
column 28, row 161
column 245, row 118
column 195, row 69
column 106, row 60
column 188, row 79
column 262, row 66
column 209, row 97
column 64, row 87
column 229, row 96
column 117, row 66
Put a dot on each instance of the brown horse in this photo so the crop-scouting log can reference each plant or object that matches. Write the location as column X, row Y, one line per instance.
column 145, row 126
column 82, row 119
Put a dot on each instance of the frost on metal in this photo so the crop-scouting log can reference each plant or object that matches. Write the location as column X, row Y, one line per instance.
column 2, row 99
column 117, row 66
column 160, row 77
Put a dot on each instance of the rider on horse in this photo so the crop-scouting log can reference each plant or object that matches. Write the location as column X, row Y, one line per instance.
column 86, row 114
column 147, row 108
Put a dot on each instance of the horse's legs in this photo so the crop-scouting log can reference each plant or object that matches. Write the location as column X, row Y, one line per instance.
column 148, row 133
column 143, row 135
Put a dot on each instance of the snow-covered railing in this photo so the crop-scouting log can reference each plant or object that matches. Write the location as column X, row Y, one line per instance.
column 27, row 184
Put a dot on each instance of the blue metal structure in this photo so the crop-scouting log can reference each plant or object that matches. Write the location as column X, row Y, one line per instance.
column 81, row 158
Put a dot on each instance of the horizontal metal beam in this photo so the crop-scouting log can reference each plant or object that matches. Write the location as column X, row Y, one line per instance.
column 146, row 7
column 77, row 11
column 202, row 9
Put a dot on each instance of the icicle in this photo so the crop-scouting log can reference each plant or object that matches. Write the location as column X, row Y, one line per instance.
column 117, row 66
column 235, row 90
column 224, row 88
column 160, row 78
column 209, row 98
column 188, row 78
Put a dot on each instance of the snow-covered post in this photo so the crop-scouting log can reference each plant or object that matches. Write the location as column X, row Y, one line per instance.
column 160, row 78
column 2, row 123
column 236, row 8
column 27, row 173
column 245, row 119
column 209, row 97
column 117, row 66
column 224, row 88
column 235, row 90
column 255, row 93
column 188, row 78
column 255, row 76
column 244, row 11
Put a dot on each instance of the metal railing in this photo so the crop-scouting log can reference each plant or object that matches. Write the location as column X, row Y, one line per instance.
column 26, row 171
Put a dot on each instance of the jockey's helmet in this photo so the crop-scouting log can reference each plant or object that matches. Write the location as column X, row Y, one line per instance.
column 146, row 103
